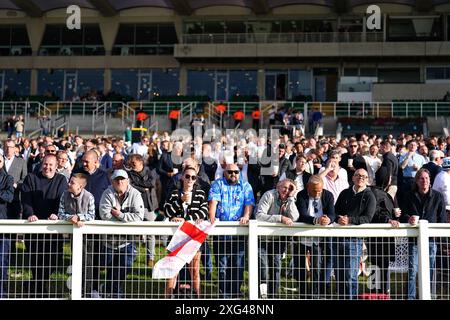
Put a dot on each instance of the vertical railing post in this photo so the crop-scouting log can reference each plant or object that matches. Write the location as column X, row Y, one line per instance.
column 423, row 242
column 253, row 259
column 77, row 263
column 435, row 110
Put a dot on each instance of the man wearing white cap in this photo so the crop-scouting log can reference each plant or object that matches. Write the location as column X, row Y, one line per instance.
column 120, row 202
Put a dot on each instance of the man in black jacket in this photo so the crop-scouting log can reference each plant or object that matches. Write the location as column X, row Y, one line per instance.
column 355, row 205
column 6, row 197
column 41, row 193
column 391, row 163
column 315, row 206
column 422, row 203
column 298, row 175
column 352, row 160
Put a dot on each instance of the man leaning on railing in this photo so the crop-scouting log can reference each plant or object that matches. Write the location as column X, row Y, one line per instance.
column 427, row 204
column 230, row 199
column 355, row 205
column 41, row 193
column 276, row 205
column 120, row 202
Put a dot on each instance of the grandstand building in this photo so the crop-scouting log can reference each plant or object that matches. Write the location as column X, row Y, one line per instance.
column 226, row 50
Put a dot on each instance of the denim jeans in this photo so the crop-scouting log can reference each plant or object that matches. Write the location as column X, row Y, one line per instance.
column 118, row 263
column 230, row 259
column 5, row 245
column 270, row 254
column 413, row 267
column 349, row 255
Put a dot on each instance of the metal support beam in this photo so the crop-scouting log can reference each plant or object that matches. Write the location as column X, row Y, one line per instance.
column 260, row 7
column 104, row 7
column 182, row 7
column 29, row 7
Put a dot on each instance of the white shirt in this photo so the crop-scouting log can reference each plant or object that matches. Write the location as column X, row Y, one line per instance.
column 442, row 185
column 308, row 241
column 8, row 163
column 140, row 148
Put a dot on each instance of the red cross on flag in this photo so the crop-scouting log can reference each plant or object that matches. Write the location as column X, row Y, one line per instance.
column 184, row 245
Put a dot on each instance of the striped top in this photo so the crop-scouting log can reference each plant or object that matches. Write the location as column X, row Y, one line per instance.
column 197, row 208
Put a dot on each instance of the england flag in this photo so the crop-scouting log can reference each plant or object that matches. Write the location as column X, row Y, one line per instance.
column 184, row 245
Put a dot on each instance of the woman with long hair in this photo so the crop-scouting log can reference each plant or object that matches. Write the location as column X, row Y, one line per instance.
column 188, row 202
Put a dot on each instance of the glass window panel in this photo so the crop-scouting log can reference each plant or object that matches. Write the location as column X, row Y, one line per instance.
column 200, row 83
column 289, row 26
column 125, row 35
column 242, row 83
column 5, row 36
column 351, row 72
column 165, row 82
column 447, row 73
column 17, row 82
column 399, row 75
column 72, row 37
column 299, row 84
column 52, row 36
column 236, row 26
column 214, row 27
column 368, row 72
column 146, row 34
column 90, row 80
column 51, row 82
column 92, row 35
column 125, row 82
column 167, row 34
column 19, row 36
column 435, row 73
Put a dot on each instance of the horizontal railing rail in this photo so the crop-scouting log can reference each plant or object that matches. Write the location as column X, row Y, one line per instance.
column 255, row 233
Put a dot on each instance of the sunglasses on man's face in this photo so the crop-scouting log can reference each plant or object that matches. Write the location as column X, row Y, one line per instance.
column 188, row 176
column 233, row 171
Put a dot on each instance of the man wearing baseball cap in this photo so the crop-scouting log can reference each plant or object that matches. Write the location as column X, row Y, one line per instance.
column 120, row 202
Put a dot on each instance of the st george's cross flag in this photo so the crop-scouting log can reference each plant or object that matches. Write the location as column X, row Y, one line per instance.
column 182, row 248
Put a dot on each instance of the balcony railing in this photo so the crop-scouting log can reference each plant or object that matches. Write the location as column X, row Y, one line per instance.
column 299, row 37
column 71, row 255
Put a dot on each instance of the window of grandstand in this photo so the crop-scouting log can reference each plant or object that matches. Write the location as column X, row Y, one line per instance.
column 223, row 84
column 360, row 72
column 145, row 39
column 145, row 84
column 438, row 74
column 273, row 31
column 14, row 41
column 14, row 83
column 399, row 75
column 58, row 40
column 424, row 28
column 71, row 85
column 299, row 85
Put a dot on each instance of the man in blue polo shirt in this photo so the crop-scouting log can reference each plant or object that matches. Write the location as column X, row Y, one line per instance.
column 230, row 199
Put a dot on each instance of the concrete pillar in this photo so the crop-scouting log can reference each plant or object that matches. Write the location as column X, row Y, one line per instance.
column 261, row 80
column 107, row 81
column 35, row 28
column 34, row 82
column 108, row 28
column 183, row 80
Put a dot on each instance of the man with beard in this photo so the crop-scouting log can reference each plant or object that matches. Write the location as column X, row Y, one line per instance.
column 230, row 199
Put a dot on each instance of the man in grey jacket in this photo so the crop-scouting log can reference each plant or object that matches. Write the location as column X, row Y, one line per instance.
column 276, row 205
column 120, row 202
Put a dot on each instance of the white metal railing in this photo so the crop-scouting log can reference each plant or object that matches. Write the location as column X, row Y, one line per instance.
column 298, row 37
column 254, row 232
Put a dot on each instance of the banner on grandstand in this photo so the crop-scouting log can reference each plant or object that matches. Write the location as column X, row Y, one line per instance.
column 182, row 248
